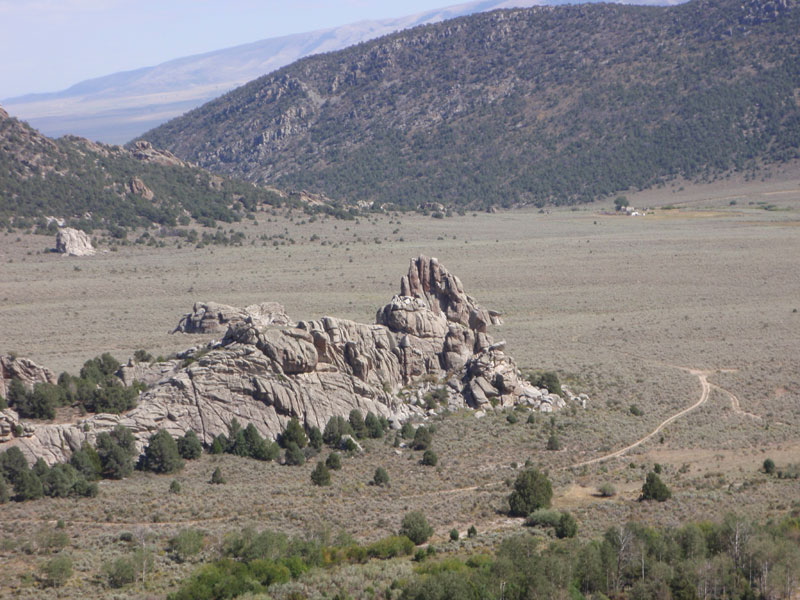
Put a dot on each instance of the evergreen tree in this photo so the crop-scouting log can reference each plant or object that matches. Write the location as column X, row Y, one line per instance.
column 12, row 464
column 161, row 454
column 294, row 433
column 294, row 456
column 315, row 438
column 532, row 490
column 381, row 477
column 189, row 446
column 321, row 475
column 655, row 489
column 28, row 486
column 415, row 527
column 334, row 461
column 373, row 426
column 357, row 424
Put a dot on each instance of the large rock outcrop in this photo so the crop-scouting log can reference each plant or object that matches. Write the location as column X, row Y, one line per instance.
column 210, row 317
column 432, row 334
column 73, row 242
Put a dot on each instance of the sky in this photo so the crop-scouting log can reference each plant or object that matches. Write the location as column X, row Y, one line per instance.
column 49, row 45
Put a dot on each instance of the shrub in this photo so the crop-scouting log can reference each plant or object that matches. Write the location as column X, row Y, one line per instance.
column 422, row 438
column 567, row 526
column 636, row 411
column 57, row 570
column 116, row 450
column 336, row 427
column 549, row 380
column 389, row 547
column 189, row 446
column 553, row 443
column 381, row 477
column 607, row 490
column 161, row 454
column 655, row 489
column 218, row 445
column 294, row 433
column 12, row 464
column 174, row 487
column 217, row 477
column 472, row 532
column 321, row 475
column 120, row 571
column 543, row 517
column 373, row 426
column 59, row 482
column 415, row 527
column 531, row 419
column 4, row 495
column 186, row 543
column 532, row 490
column 769, row 466
column 334, row 461
column 315, row 438
column 28, row 487
column 87, row 462
column 356, row 420
column 407, row 431
column 429, row 458
column 454, row 535
column 294, row 456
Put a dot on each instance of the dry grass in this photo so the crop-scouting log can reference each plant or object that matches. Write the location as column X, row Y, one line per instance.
column 613, row 304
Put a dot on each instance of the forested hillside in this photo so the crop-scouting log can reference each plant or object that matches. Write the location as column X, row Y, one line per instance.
column 92, row 185
column 548, row 104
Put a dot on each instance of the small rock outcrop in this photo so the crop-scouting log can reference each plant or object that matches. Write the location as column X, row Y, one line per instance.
column 137, row 187
column 210, row 317
column 431, row 338
column 73, row 242
column 27, row 371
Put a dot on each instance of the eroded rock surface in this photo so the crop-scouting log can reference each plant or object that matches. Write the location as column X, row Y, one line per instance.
column 27, row 371
column 210, row 317
column 431, row 336
column 74, row 242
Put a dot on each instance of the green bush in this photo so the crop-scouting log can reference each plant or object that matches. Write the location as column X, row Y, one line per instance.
column 636, row 411
column 472, row 532
column 116, row 450
column 381, row 477
column 390, row 547
column 567, row 526
column 607, row 490
column 12, row 464
column 543, row 517
column 334, row 461
column 655, row 489
column 422, row 438
column 189, row 446
column 28, row 487
column 454, row 535
column 120, row 571
column 429, row 458
column 315, row 438
column 553, row 443
column 336, row 427
column 321, row 475
column 407, row 431
column 294, row 433
column 187, row 543
column 57, row 570
column 769, row 466
column 217, row 477
column 175, row 487
column 373, row 426
column 415, row 527
column 356, row 420
column 548, row 380
column 294, row 456
column 532, row 490
column 4, row 495
column 87, row 462
column 161, row 454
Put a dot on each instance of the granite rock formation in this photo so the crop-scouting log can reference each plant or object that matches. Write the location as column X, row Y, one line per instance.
column 432, row 335
column 73, row 242
column 210, row 317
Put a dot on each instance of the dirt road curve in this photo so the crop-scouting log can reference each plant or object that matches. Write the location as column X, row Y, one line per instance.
column 706, row 390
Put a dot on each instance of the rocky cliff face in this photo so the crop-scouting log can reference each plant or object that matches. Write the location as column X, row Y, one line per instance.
column 262, row 374
column 74, row 242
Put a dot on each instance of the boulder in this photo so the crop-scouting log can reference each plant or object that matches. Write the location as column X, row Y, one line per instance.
column 73, row 242
column 137, row 187
column 210, row 317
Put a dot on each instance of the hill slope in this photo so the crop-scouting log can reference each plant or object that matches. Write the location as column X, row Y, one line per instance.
column 118, row 107
column 94, row 185
column 555, row 104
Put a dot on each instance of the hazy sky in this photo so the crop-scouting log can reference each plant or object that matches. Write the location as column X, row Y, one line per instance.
column 48, row 45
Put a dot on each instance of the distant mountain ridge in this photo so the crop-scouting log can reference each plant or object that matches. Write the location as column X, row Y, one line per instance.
column 546, row 104
column 88, row 185
column 118, row 107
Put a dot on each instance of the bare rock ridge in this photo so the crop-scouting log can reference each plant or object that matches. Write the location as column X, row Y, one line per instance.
column 73, row 242
column 210, row 317
column 265, row 373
